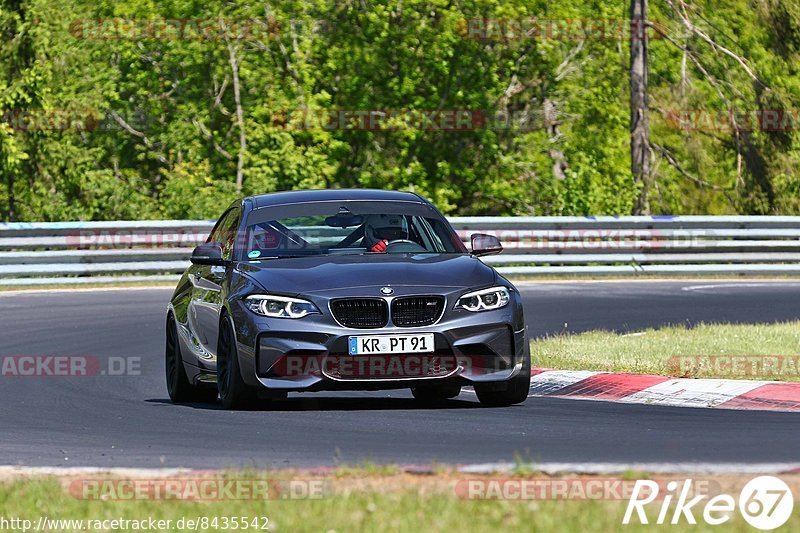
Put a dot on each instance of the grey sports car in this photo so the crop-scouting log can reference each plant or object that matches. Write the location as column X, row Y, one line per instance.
column 343, row 290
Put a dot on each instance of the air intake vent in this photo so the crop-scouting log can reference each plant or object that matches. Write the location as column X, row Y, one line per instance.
column 414, row 311
column 361, row 312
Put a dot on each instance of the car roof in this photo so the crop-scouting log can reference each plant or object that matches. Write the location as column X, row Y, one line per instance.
column 321, row 195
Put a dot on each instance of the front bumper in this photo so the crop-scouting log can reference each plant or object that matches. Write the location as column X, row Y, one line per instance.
column 311, row 354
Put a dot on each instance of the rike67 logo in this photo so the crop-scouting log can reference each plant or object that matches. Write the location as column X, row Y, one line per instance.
column 765, row 503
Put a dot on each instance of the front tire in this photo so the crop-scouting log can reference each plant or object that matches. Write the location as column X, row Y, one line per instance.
column 179, row 388
column 234, row 393
column 517, row 391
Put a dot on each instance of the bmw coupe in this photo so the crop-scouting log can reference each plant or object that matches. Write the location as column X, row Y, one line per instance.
column 343, row 290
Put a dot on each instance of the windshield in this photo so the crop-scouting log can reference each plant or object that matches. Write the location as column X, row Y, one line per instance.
column 352, row 227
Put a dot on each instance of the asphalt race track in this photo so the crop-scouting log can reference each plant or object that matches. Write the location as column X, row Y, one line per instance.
column 116, row 421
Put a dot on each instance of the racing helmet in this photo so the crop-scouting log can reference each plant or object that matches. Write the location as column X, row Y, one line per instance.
column 388, row 227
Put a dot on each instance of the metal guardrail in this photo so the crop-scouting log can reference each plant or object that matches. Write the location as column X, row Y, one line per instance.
column 122, row 251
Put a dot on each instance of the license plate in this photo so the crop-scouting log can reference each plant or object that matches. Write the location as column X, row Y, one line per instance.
column 418, row 343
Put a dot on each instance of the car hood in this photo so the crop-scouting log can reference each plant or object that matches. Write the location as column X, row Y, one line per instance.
column 305, row 275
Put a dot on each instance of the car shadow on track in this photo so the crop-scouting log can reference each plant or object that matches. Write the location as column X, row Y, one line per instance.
column 335, row 403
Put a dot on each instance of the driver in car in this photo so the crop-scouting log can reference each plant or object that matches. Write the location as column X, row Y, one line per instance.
column 380, row 230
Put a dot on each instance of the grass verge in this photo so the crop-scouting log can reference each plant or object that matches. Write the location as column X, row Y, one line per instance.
column 760, row 351
column 368, row 502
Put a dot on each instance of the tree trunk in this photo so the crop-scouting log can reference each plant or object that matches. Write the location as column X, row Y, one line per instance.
column 12, row 204
column 551, row 127
column 640, row 128
column 239, row 119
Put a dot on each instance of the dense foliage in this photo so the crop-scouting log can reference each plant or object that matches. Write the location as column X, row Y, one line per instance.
column 107, row 113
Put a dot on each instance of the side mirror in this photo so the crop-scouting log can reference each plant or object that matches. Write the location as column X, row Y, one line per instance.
column 483, row 244
column 209, row 253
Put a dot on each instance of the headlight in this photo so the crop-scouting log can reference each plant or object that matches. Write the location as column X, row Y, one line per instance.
column 484, row 300
column 280, row 306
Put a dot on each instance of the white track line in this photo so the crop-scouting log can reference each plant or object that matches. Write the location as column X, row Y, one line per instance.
column 86, row 289
column 43, row 471
column 719, row 281
column 552, row 468
column 690, row 288
column 621, row 468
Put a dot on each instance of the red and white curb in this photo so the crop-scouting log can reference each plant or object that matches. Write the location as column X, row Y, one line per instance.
column 662, row 390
